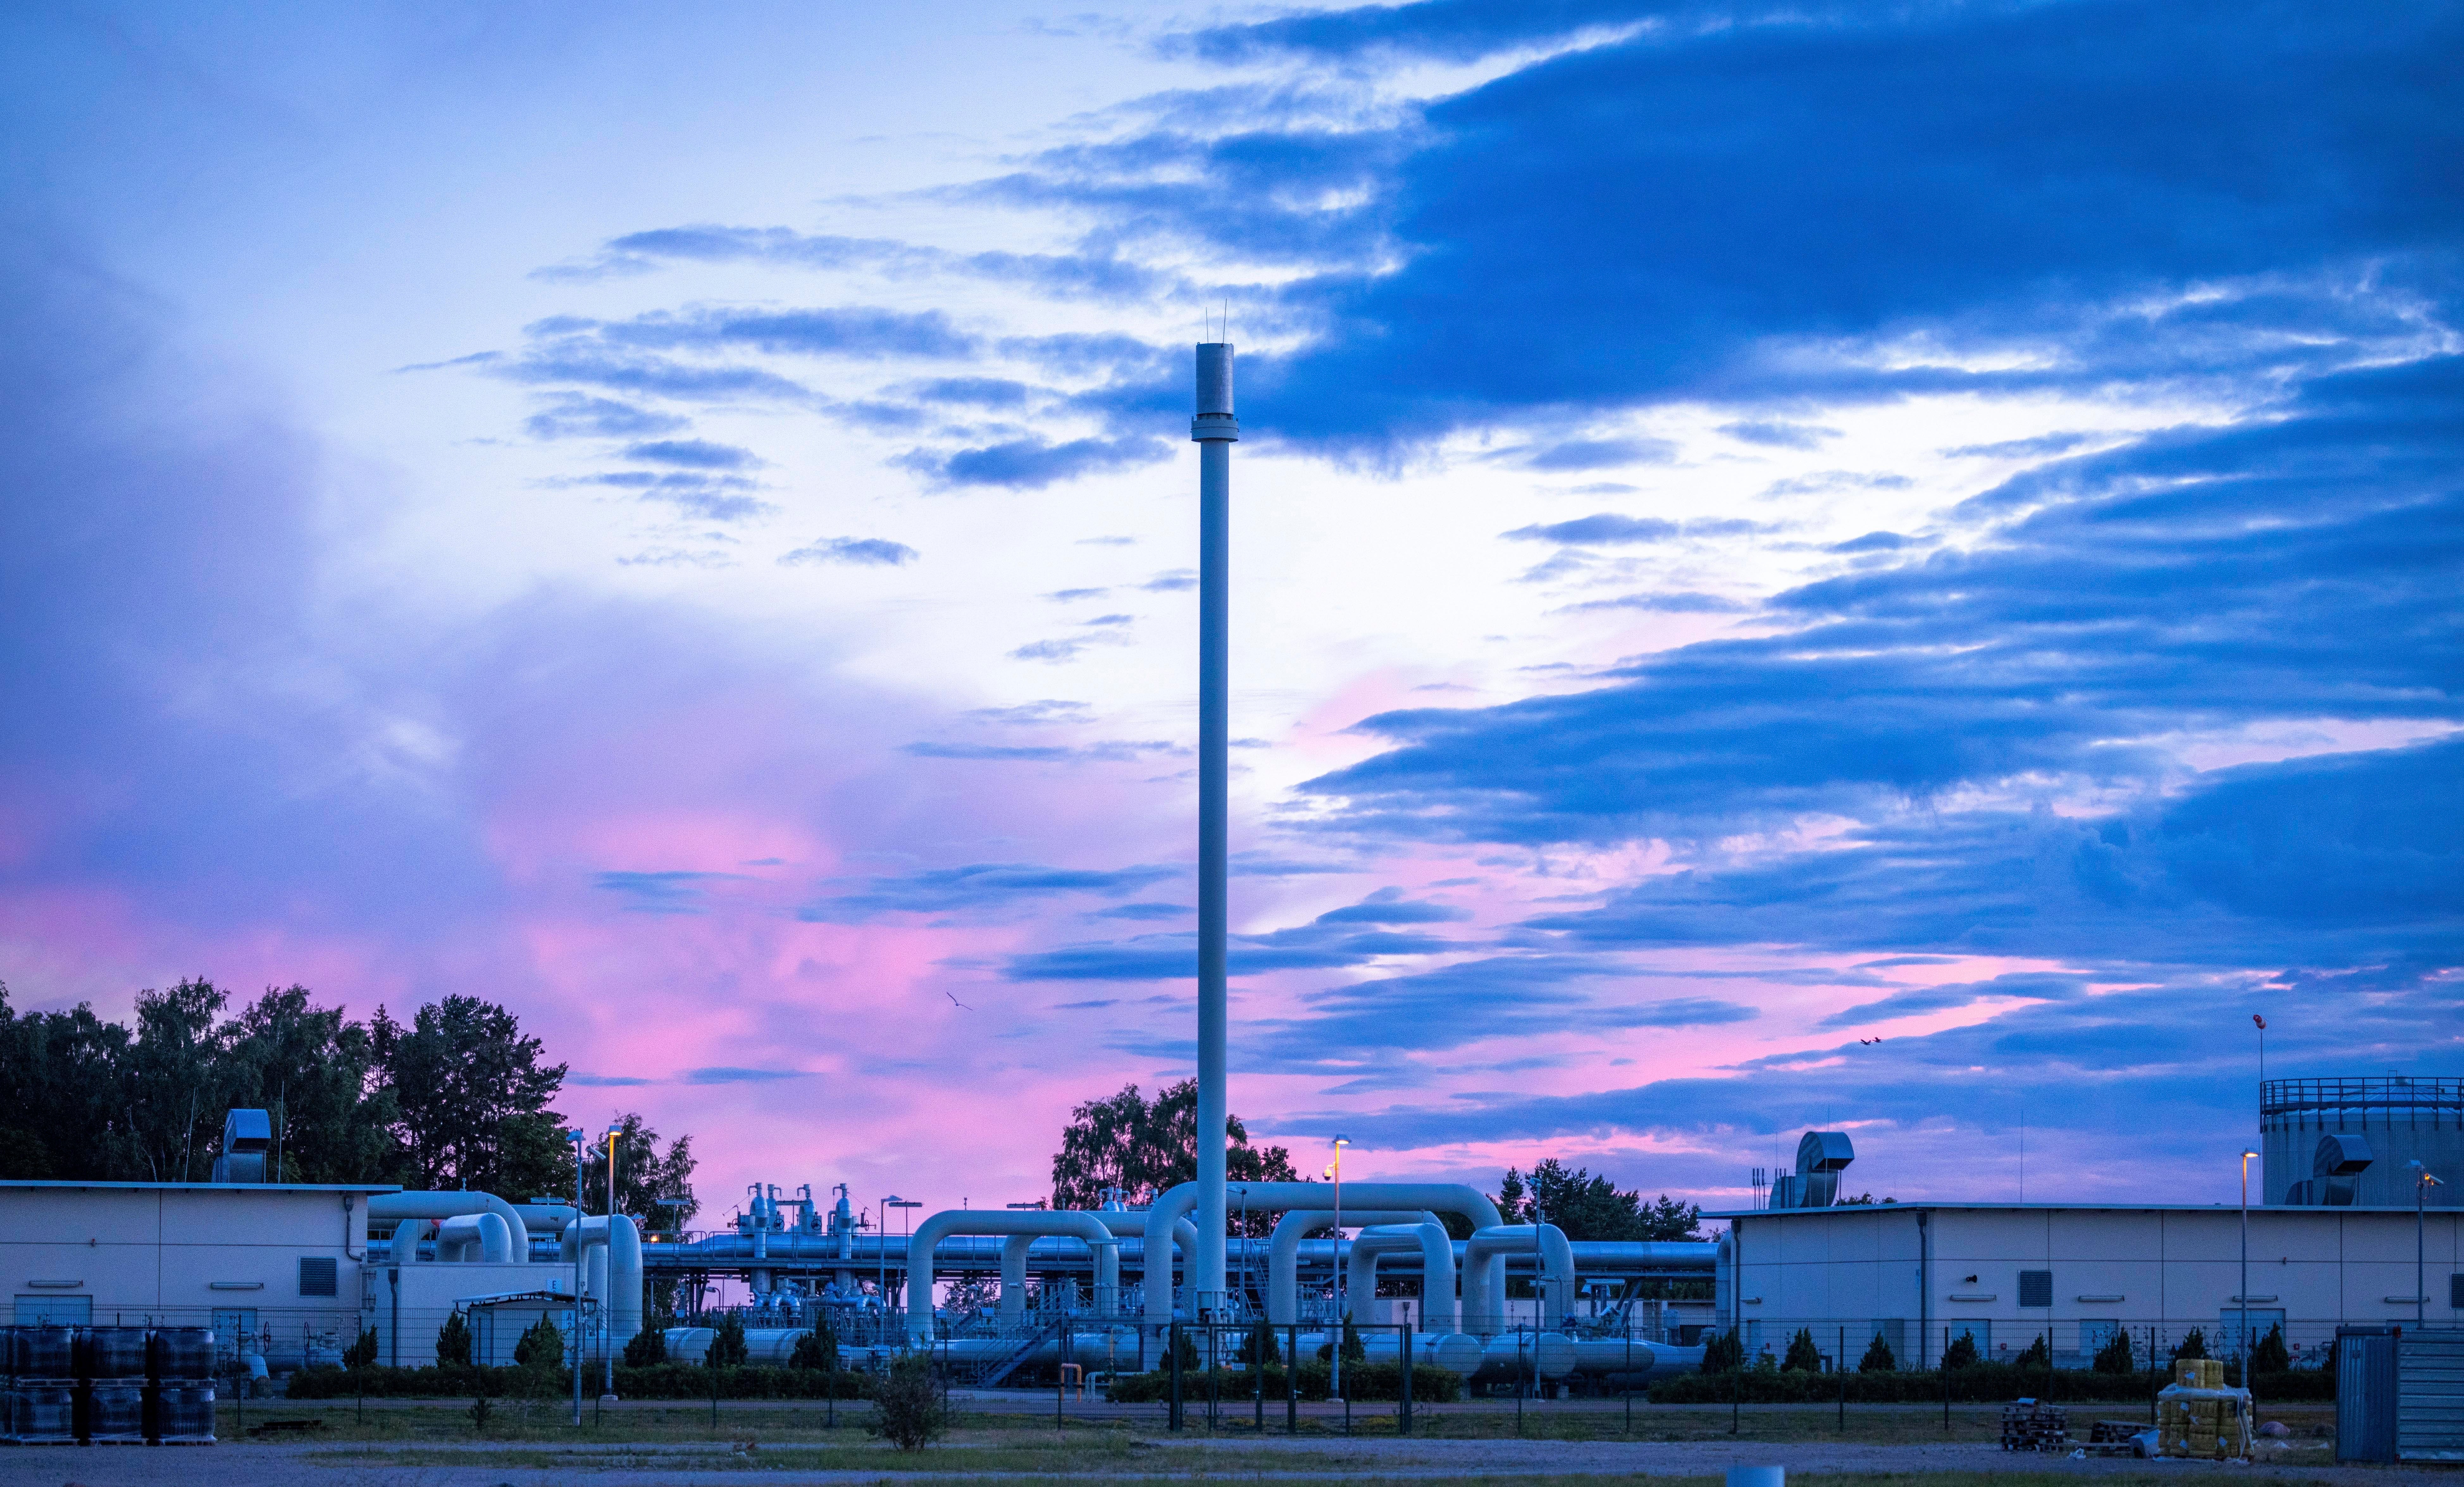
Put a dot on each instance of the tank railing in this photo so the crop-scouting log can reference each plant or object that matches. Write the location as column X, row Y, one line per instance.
column 2296, row 1097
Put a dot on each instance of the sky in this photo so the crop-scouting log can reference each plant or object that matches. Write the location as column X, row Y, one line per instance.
column 1888, row 569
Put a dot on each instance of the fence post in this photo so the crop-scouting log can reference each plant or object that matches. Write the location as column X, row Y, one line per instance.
column 1292, row 1380
column 1843, row 1366
column 1946, row 1381
column 1172, row 1346
column 1061, row 1382
column 1403, row 1422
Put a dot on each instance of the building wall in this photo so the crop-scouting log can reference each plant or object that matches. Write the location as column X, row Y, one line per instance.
column 2141, row 1269
column 186, row 1256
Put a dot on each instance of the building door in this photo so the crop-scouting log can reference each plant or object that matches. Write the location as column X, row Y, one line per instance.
column 56, row 1311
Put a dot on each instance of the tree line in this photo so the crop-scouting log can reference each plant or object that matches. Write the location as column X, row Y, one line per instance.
column 1140, row 1147
column 457, row 1097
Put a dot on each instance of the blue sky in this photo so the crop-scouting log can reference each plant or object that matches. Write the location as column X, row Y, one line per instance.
column 1759, row 528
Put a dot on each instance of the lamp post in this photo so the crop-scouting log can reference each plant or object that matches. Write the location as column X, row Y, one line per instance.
column 2422, row 1182
column 2244, row 1348
column 577, row 1137
column 906, row 1273
column 607, row 1341
column 1342, row 1331
column 881, row 1254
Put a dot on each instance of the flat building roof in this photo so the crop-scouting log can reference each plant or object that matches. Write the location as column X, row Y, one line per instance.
column 242, row 1188
column 1911, row 1206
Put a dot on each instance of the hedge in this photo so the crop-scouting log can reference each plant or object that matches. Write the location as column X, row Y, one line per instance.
column 1380, row 1381
column 660, row 1381
column 1981, row 1383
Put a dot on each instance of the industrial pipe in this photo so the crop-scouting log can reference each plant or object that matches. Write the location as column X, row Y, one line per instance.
column 396, row 1206
column 1284, row 1246
column 1438, row 1311
column 618, row 1285
column 1176, row 1204
column 1483, row 1257
column 1090, row 1228
column 404, row 1248
column 484, row 1238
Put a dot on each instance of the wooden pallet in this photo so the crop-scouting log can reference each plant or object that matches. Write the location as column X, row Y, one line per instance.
column 2029, row 1426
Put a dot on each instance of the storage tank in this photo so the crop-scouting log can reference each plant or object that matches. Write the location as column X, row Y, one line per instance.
column 2397, row 1119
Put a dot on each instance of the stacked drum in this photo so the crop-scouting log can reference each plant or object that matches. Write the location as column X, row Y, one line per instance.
column 107, row 1384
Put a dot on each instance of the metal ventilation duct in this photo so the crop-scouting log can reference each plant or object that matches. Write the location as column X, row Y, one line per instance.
column 248, row 1137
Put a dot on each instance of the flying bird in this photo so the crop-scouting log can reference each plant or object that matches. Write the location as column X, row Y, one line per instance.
column 954, row 1002
column 1869, row 1042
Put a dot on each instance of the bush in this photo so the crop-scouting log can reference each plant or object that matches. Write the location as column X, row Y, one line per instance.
column 2117, row 1356
column 542, row 1346
column 2037, row 1354
column 2194, row 1345
column 817, row 1350
column 1961, row 1353
column 1878, row 1358
column 1260, row 1346
column 727, row 1349
column 1803, row 1357
column 1724, row 1353
column 1984, row 1383
column 661, row 1381
column 361, row 1353
column 454, row 1342
column 1366, row 1382
column 646, row 1349
column 909, row 1410
column 2268, row 1354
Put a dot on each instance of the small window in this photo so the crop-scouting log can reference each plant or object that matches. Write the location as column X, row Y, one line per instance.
column 2036, row 1288
column 318, row 1275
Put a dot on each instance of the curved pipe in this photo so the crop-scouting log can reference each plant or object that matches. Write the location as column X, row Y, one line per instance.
column 548, row 1220
column 1177, row 1203
column 1284, row 1250
column 404, row 1248
column 386, row 1206
column 614, row 1275
column 1030, row 1222
column 1437, row 1267
column 1184, row 1236
column 1484, row 1254
column 484, row 1238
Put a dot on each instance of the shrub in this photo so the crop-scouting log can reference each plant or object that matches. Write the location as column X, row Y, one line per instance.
column 2194, row 1345
column 727, row 1349
column 817, row 1350
column 1803, row 1357
column 1724, row 1353
column 1260, row 1346
column 646, row 1349
column 454, row 1342
column 2268, row 1354
column 542, row 1346
column 1362, row 1381
column 2116, row 1356
column 2037, row 1354
column 1961, row 1353
column 908, row 1408
column 361, row 1353
column 1878, row 1358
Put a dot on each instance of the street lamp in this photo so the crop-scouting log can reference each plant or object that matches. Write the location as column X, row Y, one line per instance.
column 2422, row 1182
column 606, row 1342
column 2244, row 1349
column 577, row 1137
column 1342, row 1332
column 881, row 1256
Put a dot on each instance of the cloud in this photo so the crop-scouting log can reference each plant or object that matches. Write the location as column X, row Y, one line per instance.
column 865, row 551
column 660, row 893
column 604, row 1081
column 975, row 888
column 1044, row 710
column 1871, row 541
column 2021, row 448
column 726, row 1073
column 1172, row 581
column 2031, row 986
column 1032, row 463
column 1593, row 454
column 572, row 415
column 1113, row 751
column 1776, row 434
column 1388, row 906
column 1682, row 602
column 693, row 454
column 1606, row 527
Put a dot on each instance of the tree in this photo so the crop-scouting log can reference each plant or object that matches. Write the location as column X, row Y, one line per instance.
column 1962, row 1351
column 727, row 1347
column 1803, row 1357
column 316, row 1074
column 908, row 1408
column 174, row 1084
column 471, row 1099
column 362, row 1352
column 1589, row 1208
column 454, row 1342
column 540, row 1347
column 1260, row 1347
column 2268, row 1354
column 817, row 1350
column 2194, row 1345
column 2116, row 1356
column 645, row 1175
column 60, row 1113
column 646, row 1348
column 2037, row 1354
column 1723, row 1352
column 1143, row 1147
column 1878, row 1358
